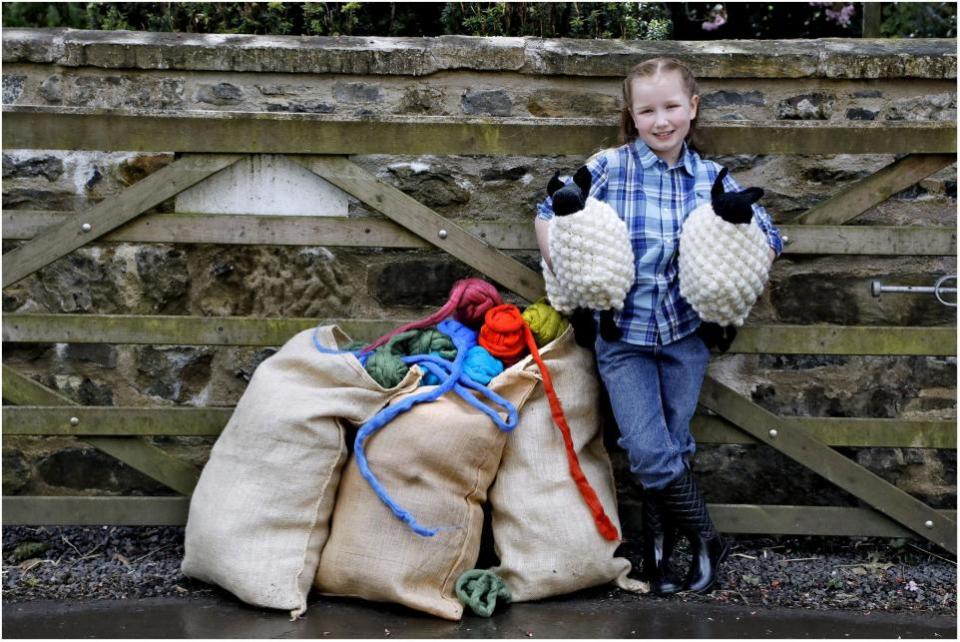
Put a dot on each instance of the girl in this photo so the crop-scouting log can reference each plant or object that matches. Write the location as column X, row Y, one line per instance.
column 653, row 374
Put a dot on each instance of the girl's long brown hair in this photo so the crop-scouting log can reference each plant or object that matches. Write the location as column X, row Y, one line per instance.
column 647, row 69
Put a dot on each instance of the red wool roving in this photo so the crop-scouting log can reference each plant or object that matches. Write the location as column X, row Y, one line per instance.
column 507, row 332
column 469, row 301
column 502, row 334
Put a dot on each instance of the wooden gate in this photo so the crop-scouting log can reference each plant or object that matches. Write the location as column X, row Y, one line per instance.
column 212, row 142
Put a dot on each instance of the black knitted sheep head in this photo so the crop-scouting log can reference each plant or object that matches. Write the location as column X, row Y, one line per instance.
column 569, row 199
column 733, row 207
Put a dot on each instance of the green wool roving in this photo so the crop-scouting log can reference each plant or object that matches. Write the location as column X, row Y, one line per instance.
column 432, row 341
column 480, row 590
column 385, row 365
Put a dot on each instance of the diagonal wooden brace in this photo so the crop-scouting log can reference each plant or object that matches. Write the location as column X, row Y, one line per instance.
column 856, row 198
column 137, row 452
column 424, row 222
column 78, row 230
column 799, row 444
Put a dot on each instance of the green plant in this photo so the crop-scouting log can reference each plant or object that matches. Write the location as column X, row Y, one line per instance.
column 919, row 20
column 624, row 20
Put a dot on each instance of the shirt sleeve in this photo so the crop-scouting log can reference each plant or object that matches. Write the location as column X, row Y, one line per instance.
column 598, row 188
column 763, row 218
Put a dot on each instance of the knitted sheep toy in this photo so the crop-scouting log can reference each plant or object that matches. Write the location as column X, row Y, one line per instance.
column 724, row 257
column 593, row 263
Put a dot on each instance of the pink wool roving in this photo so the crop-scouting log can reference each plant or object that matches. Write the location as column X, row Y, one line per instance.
column 468, row 303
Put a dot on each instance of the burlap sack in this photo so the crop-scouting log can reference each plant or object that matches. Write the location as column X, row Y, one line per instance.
column 436, row 461
column 543, row 532
column 260, row 512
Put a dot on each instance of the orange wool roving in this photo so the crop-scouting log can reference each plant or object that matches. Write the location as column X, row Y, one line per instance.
column 506, row 335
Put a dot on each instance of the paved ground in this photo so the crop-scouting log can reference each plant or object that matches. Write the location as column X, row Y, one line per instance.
column 104, row 563
column 590, row 614
column 61, row 582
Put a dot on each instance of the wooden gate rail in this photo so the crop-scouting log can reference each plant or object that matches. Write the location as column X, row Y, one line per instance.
column 754, row 338
column 806, row 449
column 426, row 223
column 116, row 421
column 217, row 138
column 341, row 231
column 58, row 241
column 846, row 521
column 80, row 128
column 137, row 452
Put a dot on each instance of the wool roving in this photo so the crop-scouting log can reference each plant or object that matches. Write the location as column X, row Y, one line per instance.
column 477, row 296
column 459, row 333
column 480, row 590
column 508, row 316
column 481, row 366
column 545, row 322
column 469, row 301
column 502, row 334
column 432, row 341
column 451, row 379
column 443, row 368
column 590, row 248
column 724, row 256
column 385, row 365
column 354, row 345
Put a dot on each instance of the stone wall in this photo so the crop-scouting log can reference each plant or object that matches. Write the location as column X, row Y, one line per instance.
column 828, row 80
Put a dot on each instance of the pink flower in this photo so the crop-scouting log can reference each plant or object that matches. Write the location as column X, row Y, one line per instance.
column 841, row 17
column 718, row 21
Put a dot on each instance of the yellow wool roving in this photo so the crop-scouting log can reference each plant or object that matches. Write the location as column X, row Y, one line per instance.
column 545, row 322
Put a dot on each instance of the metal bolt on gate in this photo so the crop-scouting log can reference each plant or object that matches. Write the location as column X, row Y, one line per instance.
column 877, row 288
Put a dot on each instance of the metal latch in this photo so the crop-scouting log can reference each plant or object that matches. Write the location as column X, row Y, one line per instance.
column 877, row 288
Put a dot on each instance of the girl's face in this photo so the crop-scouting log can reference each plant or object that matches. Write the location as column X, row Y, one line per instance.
column 662, row 112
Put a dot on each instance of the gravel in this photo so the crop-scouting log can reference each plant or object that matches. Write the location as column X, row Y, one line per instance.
column 864, row 574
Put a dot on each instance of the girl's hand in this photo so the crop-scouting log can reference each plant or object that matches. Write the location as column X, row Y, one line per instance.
column 773, row 255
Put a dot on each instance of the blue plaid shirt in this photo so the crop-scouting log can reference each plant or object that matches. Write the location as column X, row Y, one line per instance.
column 654, row 200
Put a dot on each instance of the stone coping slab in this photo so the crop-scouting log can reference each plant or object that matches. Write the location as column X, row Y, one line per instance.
column 838, row 58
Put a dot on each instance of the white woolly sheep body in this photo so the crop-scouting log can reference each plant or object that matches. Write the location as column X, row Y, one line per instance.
column 723, row 266
column 593, row 264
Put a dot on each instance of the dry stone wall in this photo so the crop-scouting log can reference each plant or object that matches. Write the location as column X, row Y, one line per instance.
column 821, row 80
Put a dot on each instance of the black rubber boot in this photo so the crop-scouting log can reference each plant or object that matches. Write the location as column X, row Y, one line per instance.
column 684, row 506
column 659, row 538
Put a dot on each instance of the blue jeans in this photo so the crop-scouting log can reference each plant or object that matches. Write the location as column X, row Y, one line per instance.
column 654, row 392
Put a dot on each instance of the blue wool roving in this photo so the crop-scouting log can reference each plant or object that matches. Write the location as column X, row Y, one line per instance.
column 430, row 379
column 451, row 327
column 460, row 334
column 462, row 389
column 363, row 357
column 481, row 366
column 451, row 378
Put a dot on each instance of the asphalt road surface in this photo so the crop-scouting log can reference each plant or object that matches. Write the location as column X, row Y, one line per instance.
column 572, row 617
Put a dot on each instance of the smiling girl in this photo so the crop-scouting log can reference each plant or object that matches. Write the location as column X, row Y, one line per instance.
column 653, row 374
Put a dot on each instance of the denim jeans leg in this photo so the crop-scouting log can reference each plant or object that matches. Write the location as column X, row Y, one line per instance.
column 631, row 376
column 683, row 364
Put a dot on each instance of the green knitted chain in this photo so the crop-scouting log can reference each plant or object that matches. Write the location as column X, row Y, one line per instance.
column 480, row 589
